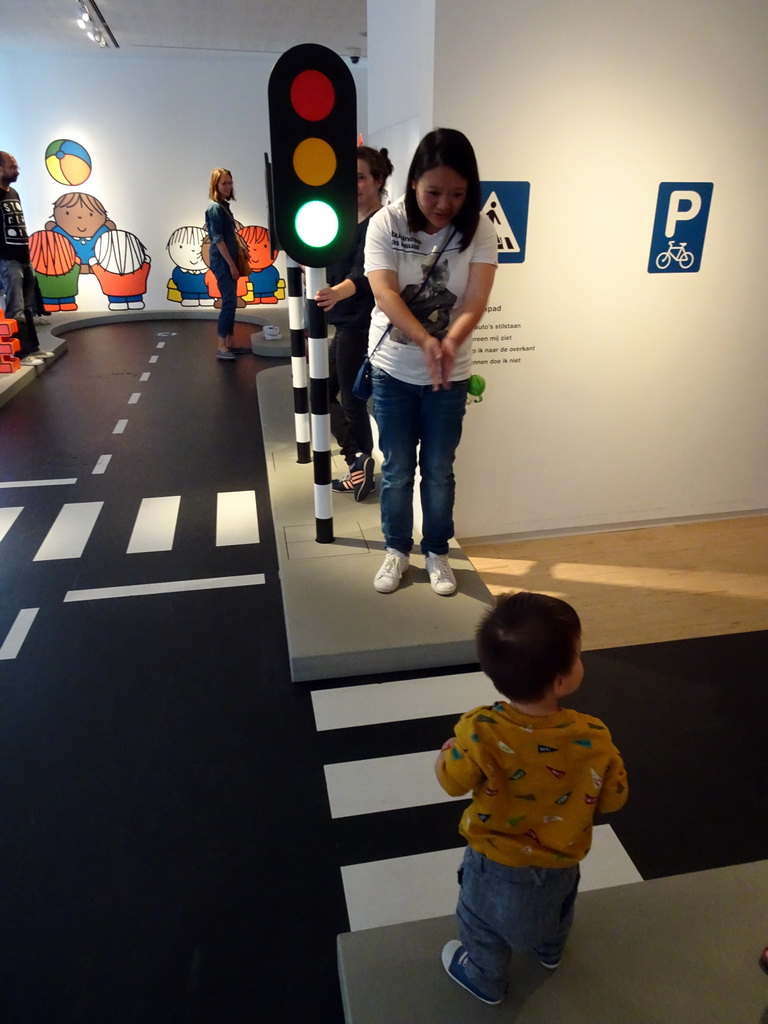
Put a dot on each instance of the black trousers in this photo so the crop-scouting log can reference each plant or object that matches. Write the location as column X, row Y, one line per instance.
column 350, row 423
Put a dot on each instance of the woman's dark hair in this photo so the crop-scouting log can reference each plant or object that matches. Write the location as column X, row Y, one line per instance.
column 446, row 147
column 379, row 165
column 525, row 642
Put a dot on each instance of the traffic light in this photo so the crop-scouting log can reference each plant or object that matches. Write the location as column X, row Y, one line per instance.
column 313, row 126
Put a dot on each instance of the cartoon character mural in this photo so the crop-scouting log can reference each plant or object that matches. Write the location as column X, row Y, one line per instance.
column 266, row 285
column 83, row 220
column 57, row 269
column 187, row 281
column 121, row 265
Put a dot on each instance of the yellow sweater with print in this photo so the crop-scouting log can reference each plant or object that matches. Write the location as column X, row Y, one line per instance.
column 536, row 783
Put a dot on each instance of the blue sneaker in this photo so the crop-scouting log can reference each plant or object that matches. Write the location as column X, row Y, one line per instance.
column 454, row 957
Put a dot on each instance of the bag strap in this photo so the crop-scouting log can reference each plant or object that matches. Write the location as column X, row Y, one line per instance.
column 420, row 289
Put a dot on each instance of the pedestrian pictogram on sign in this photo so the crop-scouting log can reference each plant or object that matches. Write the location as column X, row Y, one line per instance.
column 505, row 204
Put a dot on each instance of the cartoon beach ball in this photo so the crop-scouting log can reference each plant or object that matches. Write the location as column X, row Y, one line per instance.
column 68, row 162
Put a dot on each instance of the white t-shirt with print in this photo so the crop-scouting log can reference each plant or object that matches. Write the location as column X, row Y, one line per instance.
column 390, row 245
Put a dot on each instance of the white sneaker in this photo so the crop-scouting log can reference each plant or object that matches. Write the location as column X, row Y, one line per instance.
column 30, row 361
column 387, row 579
column 441, row 574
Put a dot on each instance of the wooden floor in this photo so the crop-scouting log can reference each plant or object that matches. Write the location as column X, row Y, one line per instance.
column 644, row 585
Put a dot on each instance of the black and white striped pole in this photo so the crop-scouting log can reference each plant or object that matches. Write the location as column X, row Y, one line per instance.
column 319, row 406
column 298, row 362
column 313, row 137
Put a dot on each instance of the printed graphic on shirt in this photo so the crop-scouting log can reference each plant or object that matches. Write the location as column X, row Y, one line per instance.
column 13, row 222
column 430, row 303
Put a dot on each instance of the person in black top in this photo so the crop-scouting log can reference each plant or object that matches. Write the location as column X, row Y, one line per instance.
column 348, row 302
column 17, row 276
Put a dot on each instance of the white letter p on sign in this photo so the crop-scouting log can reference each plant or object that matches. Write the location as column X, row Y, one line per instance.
column 675, row 214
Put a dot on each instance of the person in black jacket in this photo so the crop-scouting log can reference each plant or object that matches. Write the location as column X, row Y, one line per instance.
column 348, row 302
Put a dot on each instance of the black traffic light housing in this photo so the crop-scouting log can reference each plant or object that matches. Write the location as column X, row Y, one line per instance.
column 313, row 126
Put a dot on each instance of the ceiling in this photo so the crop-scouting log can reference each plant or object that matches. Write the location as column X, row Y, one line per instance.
column 270, row 26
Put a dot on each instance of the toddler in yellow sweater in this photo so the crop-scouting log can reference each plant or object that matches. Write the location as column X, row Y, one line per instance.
column 537, row 773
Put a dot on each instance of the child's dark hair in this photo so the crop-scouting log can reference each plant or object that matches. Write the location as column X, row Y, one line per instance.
column 446, row 147
column 525, row 642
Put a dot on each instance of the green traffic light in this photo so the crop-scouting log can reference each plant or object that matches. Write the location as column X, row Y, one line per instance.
column 316, row 224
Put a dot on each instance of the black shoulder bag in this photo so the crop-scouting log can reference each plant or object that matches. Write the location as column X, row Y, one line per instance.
column 363, row 386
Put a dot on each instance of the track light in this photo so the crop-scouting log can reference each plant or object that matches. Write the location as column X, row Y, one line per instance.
column 89, row 18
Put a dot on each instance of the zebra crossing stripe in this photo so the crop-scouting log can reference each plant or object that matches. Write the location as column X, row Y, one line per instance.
column 8, row 517
column 237, row 519
column 101, row 465
column 424, row 885
column 155, row 525
column 70, row 531
column 384, row 784
column 18, row 633
column 154, row 529
column 401, row 700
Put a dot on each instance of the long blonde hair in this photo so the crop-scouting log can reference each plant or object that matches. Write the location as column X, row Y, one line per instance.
column 216, row 176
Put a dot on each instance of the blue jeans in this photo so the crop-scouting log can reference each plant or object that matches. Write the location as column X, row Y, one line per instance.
column 17, row 281
column 228, row 288
column 409, row 415
column 503, row 908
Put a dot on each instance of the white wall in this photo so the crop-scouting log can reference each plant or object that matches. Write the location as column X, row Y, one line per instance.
column 401, row 41
column 645, row 395
column 154, row 127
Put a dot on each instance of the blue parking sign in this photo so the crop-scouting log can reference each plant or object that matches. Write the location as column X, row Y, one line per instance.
column 505, row 204
column 682, row 211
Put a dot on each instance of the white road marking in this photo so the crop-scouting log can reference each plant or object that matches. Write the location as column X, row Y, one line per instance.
column 237, row 520
column 171, row 587
column 65, row 481
column 18, row 633
column 155, row 525
column 8, row 517
column 401, row 700
column 70, row 531
column 424, row 885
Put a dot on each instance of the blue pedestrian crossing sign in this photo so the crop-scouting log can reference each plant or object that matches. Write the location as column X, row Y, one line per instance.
column 682, row 211
column 505, row 204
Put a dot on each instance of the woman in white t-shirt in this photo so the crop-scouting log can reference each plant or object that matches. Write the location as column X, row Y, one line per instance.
column 430, row 259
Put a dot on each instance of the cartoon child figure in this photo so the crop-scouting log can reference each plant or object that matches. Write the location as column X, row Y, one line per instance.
column 57, row 269
column 83, row 220
column 243, row 283
column 187, row 283
column 264, row 277
column 121, row 265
